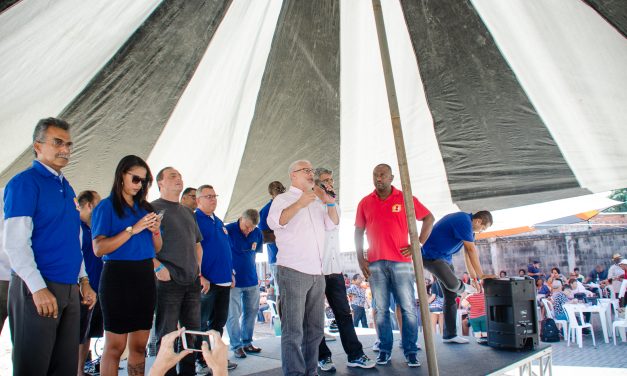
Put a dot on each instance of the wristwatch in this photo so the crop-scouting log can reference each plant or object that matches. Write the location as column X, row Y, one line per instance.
column 129, row 229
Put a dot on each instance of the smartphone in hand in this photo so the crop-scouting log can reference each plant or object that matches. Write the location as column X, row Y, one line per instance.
column 192, row 340
column 160, row 213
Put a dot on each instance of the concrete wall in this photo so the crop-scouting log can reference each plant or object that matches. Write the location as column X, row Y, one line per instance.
column 566, row 250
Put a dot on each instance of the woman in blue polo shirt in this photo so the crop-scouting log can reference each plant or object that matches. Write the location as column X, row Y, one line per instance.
column 126, row 235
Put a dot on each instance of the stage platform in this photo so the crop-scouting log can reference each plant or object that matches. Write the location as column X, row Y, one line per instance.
column 453, row 359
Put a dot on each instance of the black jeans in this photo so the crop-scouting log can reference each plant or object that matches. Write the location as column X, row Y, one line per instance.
column 451, row 286
column 335, row 292
column 176, row 304
column 214, row 310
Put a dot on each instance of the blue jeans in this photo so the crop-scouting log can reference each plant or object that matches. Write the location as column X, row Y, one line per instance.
column 243, row 308
column 397, row 278
column 359, row 316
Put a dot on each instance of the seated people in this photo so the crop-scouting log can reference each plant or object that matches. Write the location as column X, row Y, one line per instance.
column 558, row 298
column 556, row 275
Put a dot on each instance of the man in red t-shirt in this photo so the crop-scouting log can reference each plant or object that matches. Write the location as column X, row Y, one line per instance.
column 381, row 215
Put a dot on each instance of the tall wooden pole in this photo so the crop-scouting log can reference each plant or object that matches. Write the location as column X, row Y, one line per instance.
column 407, row 193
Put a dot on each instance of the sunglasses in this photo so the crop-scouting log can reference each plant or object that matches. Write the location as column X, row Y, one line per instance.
column 137, row 179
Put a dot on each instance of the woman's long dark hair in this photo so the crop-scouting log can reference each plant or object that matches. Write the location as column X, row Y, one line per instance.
column 119, row 203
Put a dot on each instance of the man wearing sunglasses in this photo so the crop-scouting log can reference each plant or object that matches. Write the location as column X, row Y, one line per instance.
column 299, row 226
column 177, row 266
column 42, row 225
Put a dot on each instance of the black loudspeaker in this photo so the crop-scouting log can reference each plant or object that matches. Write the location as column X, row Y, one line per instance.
column 511, row 312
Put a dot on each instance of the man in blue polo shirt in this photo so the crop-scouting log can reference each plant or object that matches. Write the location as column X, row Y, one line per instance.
column 216, row 270
column 42, row 240
column 449, row 235
column 91, row 324
column 246, row 240
column 275, row 188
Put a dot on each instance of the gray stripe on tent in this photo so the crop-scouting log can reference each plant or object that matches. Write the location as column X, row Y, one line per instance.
column 127, row 104
column 493, row 142
column 297, row 115
column 614, row 12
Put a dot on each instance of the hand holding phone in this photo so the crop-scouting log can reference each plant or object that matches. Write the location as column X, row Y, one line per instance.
column 192, row 340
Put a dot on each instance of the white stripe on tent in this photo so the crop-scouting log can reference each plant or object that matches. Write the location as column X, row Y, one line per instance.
column 571, row 63
column 50, row 51
column 366, row 138
column 205, row 136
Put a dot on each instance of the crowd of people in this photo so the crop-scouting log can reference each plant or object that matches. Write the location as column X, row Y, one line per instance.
column 119, row 266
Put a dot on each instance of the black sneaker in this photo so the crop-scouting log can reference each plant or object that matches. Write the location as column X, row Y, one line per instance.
column 412, row 360
column 231, row 365
column 333, row 328
column 383, row 358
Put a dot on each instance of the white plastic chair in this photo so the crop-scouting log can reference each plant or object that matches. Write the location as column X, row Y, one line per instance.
column 616, row 326
column 576, row 328
column 548, row 307
column 620, row 323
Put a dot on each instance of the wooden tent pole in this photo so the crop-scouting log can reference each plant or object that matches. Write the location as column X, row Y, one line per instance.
column 407, row 193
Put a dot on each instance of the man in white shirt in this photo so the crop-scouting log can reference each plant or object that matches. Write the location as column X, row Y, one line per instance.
column 300, row 224
column 616, row 274
column 335, row 291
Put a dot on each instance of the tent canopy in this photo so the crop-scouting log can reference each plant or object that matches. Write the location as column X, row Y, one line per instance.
column 503, row 103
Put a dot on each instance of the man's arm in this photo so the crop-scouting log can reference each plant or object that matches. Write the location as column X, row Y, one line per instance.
column 303, row 201
column 469, row 267
column 473, row 256
column 427, row 226
column 199, row 254
column 17, row 244
column 359, row 250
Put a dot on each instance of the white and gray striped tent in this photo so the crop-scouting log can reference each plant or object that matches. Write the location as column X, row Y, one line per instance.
column 503, row 102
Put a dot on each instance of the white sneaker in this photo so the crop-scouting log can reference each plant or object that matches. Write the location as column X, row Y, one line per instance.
column 456, row 339
column 375, row 347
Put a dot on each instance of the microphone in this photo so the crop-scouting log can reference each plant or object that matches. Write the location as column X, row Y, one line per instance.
column 327, row 191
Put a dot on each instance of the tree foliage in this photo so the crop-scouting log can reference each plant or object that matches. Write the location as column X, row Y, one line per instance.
column 619, row 195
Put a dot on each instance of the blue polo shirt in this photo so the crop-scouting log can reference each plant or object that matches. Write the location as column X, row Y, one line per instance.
column 263, row 226
column 245, row 249
column 51, row 203
column 531, row 268
column 448, row 236
column 217, row 262
column 105, row 221
column 93, row 263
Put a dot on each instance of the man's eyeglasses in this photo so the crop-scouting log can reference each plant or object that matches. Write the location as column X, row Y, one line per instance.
column 137, row 179
column 59, row 143
column 209, row 197
column 305, row 170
